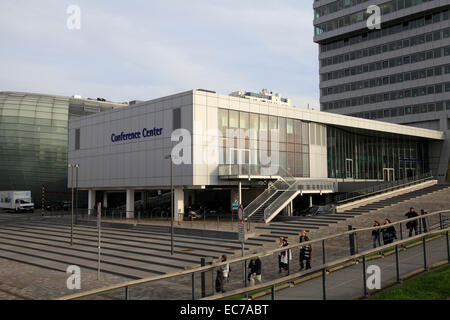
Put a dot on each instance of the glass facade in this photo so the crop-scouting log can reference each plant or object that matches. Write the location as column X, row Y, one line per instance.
column 34, row 140
column 358, row 155
column 293, row 140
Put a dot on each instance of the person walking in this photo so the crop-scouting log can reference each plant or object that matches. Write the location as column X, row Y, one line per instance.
column 376, row 235
column 255, row 271
column 305, row 253
column 285, row 256
column 389, row 233
column 222, row 274
column 412, row 224
column 279, row 254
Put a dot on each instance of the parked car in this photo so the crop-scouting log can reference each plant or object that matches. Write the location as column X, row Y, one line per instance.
column 316, row 210
column 59, row 206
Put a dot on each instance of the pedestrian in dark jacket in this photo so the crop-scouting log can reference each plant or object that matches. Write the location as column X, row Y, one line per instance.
column 412, row 224
column 389, row 233
column 305, row 253
column 376, row 235
column 255, row 271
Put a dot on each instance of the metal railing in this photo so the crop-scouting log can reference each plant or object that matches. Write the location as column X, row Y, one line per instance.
column 382, row 188
column 424, row 226
column 297, row 187
column 327, row 266
column 271, row 190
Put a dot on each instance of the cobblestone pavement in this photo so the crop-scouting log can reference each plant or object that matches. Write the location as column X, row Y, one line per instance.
column 22, row 281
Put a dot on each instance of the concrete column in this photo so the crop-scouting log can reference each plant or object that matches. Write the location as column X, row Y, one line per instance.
column 234, row 197
column 91, row 202
column 178, row 203
column 105, row 199
column 240, row 192
column 130, row 204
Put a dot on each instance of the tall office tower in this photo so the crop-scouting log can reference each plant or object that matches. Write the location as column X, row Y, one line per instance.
column 398, row 73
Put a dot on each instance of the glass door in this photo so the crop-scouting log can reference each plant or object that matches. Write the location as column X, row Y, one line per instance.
column 349, row 168
column 388, row 174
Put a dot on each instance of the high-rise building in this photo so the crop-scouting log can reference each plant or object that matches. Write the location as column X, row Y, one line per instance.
column 398, row 73
column 33, row 140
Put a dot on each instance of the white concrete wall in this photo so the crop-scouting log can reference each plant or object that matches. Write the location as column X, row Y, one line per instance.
column 133, row 163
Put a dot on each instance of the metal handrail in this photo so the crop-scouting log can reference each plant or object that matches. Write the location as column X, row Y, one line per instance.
column 366, row 192
column 298, row 186
column 323, row 267
column 240, row 259
column 272, row 188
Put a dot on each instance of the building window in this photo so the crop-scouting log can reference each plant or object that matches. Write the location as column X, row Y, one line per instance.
column 77, row 139
column 176, row 118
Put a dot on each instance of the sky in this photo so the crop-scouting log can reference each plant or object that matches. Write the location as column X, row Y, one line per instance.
column 141, row 50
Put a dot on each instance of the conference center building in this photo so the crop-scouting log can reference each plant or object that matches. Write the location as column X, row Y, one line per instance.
column 235, row 147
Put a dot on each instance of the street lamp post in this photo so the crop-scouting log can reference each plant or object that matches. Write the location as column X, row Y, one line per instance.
column 171, row 203
column 71, row 225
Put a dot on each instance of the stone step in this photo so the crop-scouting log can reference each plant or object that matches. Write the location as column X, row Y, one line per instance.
column 29, row 254
column 91, row 247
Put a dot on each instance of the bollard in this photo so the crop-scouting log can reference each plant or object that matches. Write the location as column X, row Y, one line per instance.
column 401, row 232
column 397, row 264
column 364, row 277
column 424, row 221
column 440, row 221
column 351, row 238
column 273, row 292
column 324, row 284
column 193, row 285
column 425, row 264
column 217, row 222
column 207, row 277
column 448, row 248
column 127, row 293
column 323, row 251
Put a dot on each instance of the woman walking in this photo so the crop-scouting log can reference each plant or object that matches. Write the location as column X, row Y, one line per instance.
column 389, row 233
column 376, row 235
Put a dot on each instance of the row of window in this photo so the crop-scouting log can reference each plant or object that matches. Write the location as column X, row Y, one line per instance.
column 361, row 156
column 387, row 31
column 335, row 7
column 388, row 96
column 402, row 111
column 382, row 81
column 385, row 64
column 386, row 8
column 387, row 47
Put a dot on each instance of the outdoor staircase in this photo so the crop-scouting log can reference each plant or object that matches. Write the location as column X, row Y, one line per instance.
column 384, row 203
column 279, row 194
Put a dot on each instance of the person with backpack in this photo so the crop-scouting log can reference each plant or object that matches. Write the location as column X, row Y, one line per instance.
column 305, row 252
column 376, row 235
column 389, row 233
column 411, row 224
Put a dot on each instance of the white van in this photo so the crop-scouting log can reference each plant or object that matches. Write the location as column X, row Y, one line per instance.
column 19, row 201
